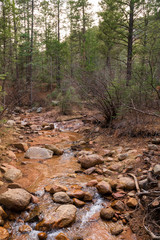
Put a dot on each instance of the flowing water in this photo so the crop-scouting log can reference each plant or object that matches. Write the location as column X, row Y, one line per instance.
column 61, row 170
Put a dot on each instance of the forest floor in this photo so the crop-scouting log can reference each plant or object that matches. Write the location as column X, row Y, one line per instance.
column 78, row 132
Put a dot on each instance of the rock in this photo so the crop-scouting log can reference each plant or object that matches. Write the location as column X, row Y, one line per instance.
column 132, row 202
column 61, row 236
column 36, row 127
column 1, row 221
column 156, row 169
column 55, row 188
column 88, row 161
column 16, row 199
column 33, row 214
column 4, row 234
column 118, row 205
column 62, row 217
column 122, row 156
column 14, row 185
column 90, row 170
column 104, row 188
column 78, row 203
column 39, row 110
column 108, row 153
column 126, row 183
column 11, row 123
column 25, row 229
column 38, row 153
column 76, row 194
column 11, row 155
column 118, row 167
column 107, row 213
column 87, row 197
column 21, row 146
column 92, row 183
column 116, row 230
column 61, row 197
column 54, row 149
column 1, row 183
column 12, row 174
column 152, row 147
column 42, row 236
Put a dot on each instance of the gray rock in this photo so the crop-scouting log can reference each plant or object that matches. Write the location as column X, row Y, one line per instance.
column 16, row 199
column 12, row 174
column 152, row 147
column 39, row 110
column 157, row 169
column 61, row 197
column 38, row 153
column 122, row 157
column 11, row 123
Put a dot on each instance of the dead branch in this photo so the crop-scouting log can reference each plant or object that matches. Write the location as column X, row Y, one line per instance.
column 143, row 112
column 146, row 193
column 153, row 236
column 136, row 182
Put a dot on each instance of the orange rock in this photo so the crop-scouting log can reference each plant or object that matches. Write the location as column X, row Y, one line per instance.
column 78, row 202
column 25, row 228
column 4, row 234
column 61, row 236
column 42, row 236
column 76, row 194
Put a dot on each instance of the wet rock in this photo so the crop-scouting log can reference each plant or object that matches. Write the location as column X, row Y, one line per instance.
column 152, row 147
column 132, row 202
column 122, row 156
column 104, row 188
column 78, row 203
column 62, row 217
column 54, row 149
column 76, row 194
column 107, row 213
column 61, row 197
column 118, row 205
column 116, row 230
column 4, row 234
column 55, row 188
column 156, row 169
column 12, row 174
column 16, row 199
column 21, row 146
column 88, row 161
column 38, row 153
column 33, row 214
column 126, row 183
column 92, row 183
column 25, row 229
column 90, row 170
column 61, row 236
column 87, row 197
column 42, row 236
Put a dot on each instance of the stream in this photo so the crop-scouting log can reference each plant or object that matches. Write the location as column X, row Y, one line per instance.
column 61, row 170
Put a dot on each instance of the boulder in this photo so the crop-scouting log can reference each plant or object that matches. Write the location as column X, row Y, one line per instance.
column 62, row 217
column 38, row 153
column 88, row 161
column 107, row 213
column 116, row 230
column 61, row 197
column 16, row 199
column 104, row 188
column 4, row 234
column 126, row 183
column 12, row 174
column 21, row 146
column 54, row 149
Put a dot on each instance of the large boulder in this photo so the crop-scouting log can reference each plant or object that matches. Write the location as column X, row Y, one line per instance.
column 16, row 199
column 104, row 188
column 62, row 217
column 88, row 161
column 38, row 153
column 61, row 197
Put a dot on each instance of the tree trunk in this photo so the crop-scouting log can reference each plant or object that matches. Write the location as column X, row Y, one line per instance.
column 130, row 43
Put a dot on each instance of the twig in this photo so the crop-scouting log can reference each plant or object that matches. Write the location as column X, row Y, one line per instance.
column 136, row 182
column 153, row 236
column 143, row 112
